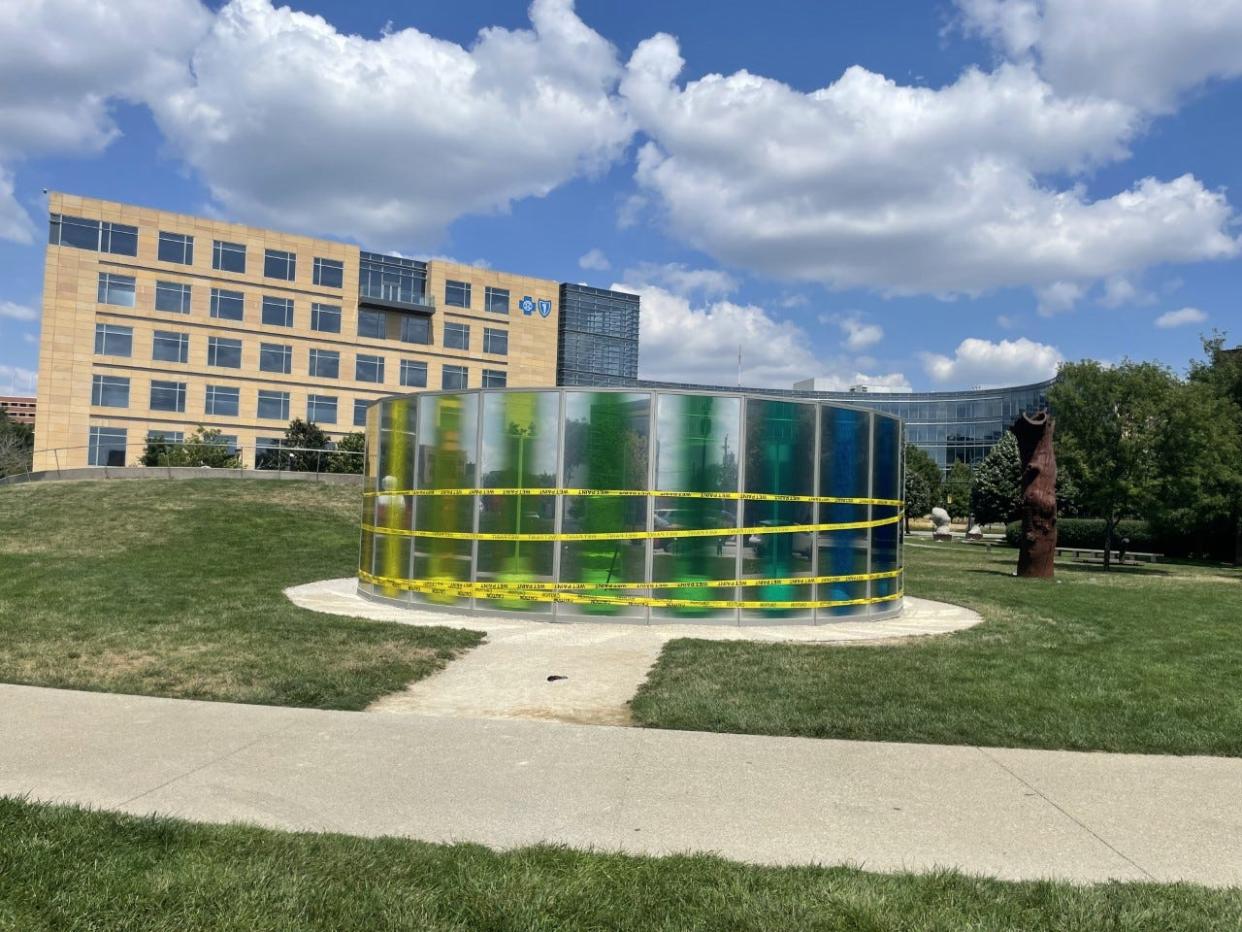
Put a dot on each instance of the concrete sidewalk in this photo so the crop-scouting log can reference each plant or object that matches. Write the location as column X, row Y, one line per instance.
column 1007, row 813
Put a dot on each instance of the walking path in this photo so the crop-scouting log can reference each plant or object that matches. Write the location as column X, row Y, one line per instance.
column 602, row 664
column 1008, row 813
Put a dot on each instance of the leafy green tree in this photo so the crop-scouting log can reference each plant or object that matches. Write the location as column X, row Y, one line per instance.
column 347, row 455
column 918, row 496
column 204, row 447
column 1216, row 394
column 302, row 438
column 996, row 488
column 1111, row 423
column 957, row 490
column 918, row 461
column 16, row 445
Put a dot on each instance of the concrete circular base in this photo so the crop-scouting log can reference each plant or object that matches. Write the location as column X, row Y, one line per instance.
column 919, row 617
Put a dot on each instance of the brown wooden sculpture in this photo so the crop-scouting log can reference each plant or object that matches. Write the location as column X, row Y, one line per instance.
column 1039, row 494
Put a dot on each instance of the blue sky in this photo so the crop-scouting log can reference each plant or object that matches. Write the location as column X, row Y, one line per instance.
column 897, row 193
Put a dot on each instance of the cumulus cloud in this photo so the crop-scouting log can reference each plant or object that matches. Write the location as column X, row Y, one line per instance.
column 594, row 259
column 907, row 190
column 681, row 341
column 14, row 311
column 982, row 362
column 63, row 62
column 14, row 380
column 389, row 139
column 858, row 335
column 1183, row 317
column 1145, row 52
column 683, row 280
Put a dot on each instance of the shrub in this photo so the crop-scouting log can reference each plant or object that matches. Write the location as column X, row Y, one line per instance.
column 1089, row 532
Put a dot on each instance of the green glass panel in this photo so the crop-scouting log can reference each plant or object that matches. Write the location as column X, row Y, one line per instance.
column 697, row 439
column 520, row 439
column 844, row 472
column 607, row 440
column 394, row 510
column 780, row 460
column 447, row 459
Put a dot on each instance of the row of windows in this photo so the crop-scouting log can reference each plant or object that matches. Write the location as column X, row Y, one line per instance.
column 119, row 239
column 107, row 444
column 111, row 391
column 226, row 353
column 495, row 300
column 225, row 304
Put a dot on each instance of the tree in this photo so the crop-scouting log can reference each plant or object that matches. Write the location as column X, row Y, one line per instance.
column 918, row 496
column 347, row 456
column 1216, row 395
column 301, row 439
column 957, row 490
column 16, row 445
column 918, row 461
column 205, row 447
column 1111, row 423
column 996, row 489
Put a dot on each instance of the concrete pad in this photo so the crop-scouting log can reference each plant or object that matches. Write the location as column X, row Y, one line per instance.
column 603, row 664
column 1011, row 814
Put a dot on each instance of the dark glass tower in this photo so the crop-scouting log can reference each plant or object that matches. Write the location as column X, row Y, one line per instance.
column 597, row 343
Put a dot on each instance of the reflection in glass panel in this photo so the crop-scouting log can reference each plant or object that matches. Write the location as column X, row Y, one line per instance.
column 844, row 472
column 697, row 440
column 394, row 507
column 447, row 459
column 370, row 484
column 520, row 437
column 607, row 439
column 780, row 460
column 885, row 539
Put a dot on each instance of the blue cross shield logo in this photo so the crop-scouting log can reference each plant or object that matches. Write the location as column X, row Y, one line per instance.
column 527, row 305
column 545, row 308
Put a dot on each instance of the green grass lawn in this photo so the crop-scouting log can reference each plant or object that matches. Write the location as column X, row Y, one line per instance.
column 174, row 589
column 64, row 869
column 1142, row 660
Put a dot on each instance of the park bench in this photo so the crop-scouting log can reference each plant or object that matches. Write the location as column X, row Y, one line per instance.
column 1092, row 555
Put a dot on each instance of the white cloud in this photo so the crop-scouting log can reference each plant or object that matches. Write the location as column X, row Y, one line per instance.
column 1181, row 318
column 682, row 342
column 1145, row 52
column 1058, row 297
column 907, row 190
column 1121, row 292
column 594, row 259
column 683, row 280
column 858, row 335
column 15, row 380
column 294, row 124
column 17, row 311
column 1006, row 321
column 982, row 362
column 62, row 62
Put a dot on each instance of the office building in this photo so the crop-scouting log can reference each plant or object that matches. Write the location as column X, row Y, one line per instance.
column 19, row 408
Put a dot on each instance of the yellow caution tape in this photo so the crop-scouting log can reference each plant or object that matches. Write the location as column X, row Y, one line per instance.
column 496, row 592
column 666, row 534
column 492, row 584
column 720, row 496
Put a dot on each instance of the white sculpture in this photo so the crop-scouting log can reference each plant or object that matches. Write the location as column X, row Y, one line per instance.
column 941, row 525
column 974, row 532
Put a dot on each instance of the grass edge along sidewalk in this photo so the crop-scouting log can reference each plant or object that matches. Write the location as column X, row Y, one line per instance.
column 66, row 868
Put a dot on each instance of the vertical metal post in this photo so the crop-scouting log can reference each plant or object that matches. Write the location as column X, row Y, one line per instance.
column 558, row 514
column 816, row 490
column 653, row 425
column 871, row 417
column 476, row 482
column 739, row 541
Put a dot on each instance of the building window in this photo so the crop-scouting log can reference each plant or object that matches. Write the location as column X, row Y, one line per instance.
column 228, row 257
column 277, row 312
column 222, row 400
column 223, row 352
column 112, row 340
column 360, row 411
column 227, row 305
column 321, row 409
column 77, row 232
column 275, row 357
column 279, row 264
column 326, row 318
column 369, row 368
column 329, row 273
column 413, row 373
column 496, row 341
column 172, row 296
column 416, row 330
column 496, row 300
column 107, row 446
column 168, row 346
column 371, row 324
column 453, row 377
column 457, row 294
column 116, row 289
column 456, row 336
column 274, row 406
column 170, row 437
column 110, row 391
column 495, row 378
column 168, row 396
column 325, row 364
column 391, row 278
column 118, row 239
column 176, row 247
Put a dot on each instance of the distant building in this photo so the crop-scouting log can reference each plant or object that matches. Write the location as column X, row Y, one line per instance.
column 20, row 408
column 598, row 337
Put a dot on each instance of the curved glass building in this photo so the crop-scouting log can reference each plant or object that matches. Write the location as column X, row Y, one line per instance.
column 633, row 505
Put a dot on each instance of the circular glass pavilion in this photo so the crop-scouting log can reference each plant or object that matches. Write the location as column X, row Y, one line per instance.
column 632, row 506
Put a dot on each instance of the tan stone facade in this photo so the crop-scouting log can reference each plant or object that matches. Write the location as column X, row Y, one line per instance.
column 76, row 352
